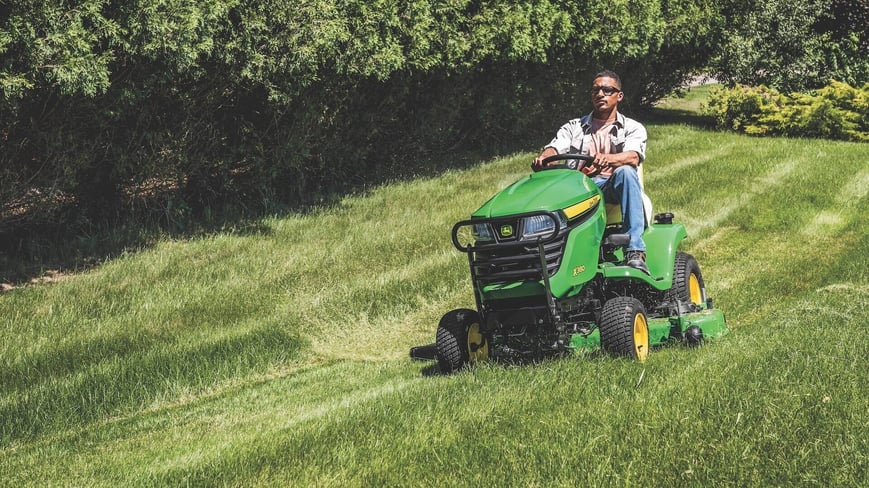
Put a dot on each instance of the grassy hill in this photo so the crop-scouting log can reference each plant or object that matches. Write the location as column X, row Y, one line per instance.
column 277, row 355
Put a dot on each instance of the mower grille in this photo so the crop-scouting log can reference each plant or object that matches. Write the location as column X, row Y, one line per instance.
column 517, row 263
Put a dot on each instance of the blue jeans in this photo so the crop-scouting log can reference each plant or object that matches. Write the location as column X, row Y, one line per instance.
column 623, row 188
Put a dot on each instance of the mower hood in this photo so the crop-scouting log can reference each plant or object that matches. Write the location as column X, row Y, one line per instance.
column 549, row 190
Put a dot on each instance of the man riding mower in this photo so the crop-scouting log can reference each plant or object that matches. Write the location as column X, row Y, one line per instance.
column 549, row 277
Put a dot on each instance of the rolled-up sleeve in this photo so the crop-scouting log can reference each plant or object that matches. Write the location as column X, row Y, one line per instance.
column 635, row 138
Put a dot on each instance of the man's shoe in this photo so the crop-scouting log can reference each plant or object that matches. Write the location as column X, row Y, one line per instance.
column 637, row 259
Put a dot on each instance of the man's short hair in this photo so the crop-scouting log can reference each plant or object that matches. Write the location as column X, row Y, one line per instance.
column 609, row 74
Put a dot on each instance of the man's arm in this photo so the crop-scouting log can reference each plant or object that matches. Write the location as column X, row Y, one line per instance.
column 560, row 144
column 630, row 158
column 635, row 140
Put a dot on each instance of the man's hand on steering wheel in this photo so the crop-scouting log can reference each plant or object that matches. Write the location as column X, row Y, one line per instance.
column 575, row 161
column 538, row 163
column 598, row 164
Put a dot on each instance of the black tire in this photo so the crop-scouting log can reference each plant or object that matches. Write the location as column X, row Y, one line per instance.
column 624, row 329
column 459, row 340
column 688, row 286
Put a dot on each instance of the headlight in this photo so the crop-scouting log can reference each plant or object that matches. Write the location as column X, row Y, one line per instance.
column 482, row 233
column 541, row 225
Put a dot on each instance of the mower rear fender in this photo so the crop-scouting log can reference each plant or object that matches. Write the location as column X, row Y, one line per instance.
column 662, row 243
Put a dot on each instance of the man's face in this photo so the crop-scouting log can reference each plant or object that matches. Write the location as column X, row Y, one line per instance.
column 606, row 93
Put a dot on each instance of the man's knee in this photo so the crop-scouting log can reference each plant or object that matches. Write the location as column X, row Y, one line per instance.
column 626, row 171
column 625, row 176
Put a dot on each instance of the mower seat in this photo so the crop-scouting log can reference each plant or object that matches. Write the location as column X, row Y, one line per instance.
column 614, row 210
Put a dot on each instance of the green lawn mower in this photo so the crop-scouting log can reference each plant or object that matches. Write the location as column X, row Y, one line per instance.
column 549, row 278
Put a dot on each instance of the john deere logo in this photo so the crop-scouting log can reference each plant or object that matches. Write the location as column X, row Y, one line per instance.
column 506, row 230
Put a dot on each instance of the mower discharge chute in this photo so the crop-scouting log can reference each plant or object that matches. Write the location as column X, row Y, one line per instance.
column 549, row 278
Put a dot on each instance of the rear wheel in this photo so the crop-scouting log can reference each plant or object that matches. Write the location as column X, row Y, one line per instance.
column 687, row 281
column 624, row 330
column 460, row 340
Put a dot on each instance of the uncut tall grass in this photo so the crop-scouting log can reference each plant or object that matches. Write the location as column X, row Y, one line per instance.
column 278, row 355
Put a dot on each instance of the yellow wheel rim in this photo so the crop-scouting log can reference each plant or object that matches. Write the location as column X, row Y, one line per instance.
column 641, row 337
column 478, row 347
column 694, row 291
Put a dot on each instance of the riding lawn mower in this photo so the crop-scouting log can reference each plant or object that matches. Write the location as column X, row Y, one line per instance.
column 549, row 278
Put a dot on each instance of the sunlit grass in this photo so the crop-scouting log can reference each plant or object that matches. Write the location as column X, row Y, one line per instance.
column 279, row 357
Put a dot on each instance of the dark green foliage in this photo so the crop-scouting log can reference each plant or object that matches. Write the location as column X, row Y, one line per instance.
column 166, row 110
column 691, row 32
column 836, row 111
column 794, row 45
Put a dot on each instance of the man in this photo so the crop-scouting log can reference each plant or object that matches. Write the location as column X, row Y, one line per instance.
column 618, row 145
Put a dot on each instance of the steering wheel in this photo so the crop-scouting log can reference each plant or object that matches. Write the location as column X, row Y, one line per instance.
column 574, row 162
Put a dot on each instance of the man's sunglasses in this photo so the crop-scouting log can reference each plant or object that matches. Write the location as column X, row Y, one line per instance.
column 607, row 90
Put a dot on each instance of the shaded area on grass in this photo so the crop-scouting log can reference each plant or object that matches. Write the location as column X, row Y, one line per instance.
column 683, row 107
column 677, row 116
column 30, row 253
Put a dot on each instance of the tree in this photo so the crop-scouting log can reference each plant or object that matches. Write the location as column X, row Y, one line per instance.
column 794, row 45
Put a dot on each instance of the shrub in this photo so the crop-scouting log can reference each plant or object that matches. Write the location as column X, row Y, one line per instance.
column 836, row 111
column 739, row 107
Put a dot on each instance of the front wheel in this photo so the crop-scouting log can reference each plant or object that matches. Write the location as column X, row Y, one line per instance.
column 460, row 340
column 624, row 330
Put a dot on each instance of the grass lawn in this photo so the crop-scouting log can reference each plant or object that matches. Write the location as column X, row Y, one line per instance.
column 278, row 356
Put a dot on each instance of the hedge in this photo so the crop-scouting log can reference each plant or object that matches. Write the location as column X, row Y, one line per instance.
column 166, row 109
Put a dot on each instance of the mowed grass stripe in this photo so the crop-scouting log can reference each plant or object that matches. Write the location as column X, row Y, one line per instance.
column 832, row 220
column 655, row 174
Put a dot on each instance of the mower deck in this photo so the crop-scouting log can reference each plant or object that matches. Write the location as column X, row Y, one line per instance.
column 711, row 323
